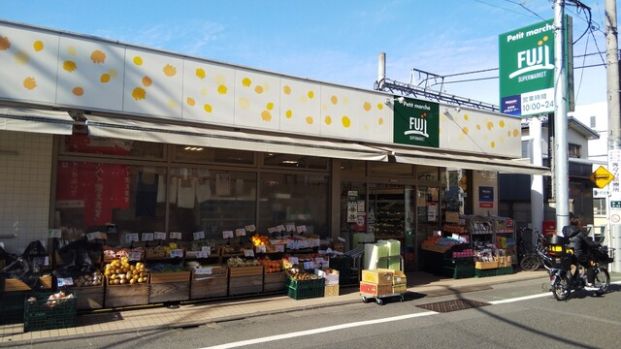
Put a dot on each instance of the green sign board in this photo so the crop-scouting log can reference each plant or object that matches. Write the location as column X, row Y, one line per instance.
column 615, row 204
column 527, row 68
column 417, row 123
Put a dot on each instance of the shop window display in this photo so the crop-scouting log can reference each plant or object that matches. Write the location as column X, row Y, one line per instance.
column 296, row 198
column 90, row 195
column 83, row 144
column 211, row 201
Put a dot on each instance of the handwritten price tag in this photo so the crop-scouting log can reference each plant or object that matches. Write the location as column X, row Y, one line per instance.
column 55, row 233
column 248, row 252
column 158, row 235
column 131, row 237
column 175, row 235
column 272, row 230
column 178, row 253
column 261, row 249
column 227, row 234
column 250, row 228
column 60, row 282
column 281, row 228
column 279, row 248
column 301, row 229
column 290, row 227
column 147, row 236
column 199, row 235
column 135, row 256
column 240, row 232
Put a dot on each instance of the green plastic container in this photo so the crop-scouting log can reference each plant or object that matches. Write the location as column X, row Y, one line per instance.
column 504, row 271
column 317, row 290
column 485, row 272
column 40, row 315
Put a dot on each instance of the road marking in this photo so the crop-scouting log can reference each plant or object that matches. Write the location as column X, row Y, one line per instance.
column 319, row 330
column 361, row 323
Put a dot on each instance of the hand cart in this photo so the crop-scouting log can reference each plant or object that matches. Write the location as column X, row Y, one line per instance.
column 370, row 291
column 379, row 298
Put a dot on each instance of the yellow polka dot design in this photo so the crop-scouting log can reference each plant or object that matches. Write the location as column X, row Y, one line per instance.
column 207, row 107
column 346, row 121
column 309, row 120
column 137, row 60
column 244, row 103
column 286, row 89
column 190, row 101
column 501, row 123
column 38, row 46
column 30, row 83
column 310, row 94
column 258, row 89
column 289, row 114
column 246, row 82
column 266, row 116
column 21, row 57
column 269, row 106
column 328, row 120
column 222, row 89
column 366, row 106
column 200, row 73
column 70, row 66
column 139, row 93
column 334, row 100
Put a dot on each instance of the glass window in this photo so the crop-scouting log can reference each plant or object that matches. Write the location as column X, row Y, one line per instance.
column 295, row 161
column 574, row 150
column 211, row 201
column 599, row 206
column 389, row 169
column 593, row 121
column 201, row 154
column 294, row 198
column 84, row 144
column 91, row 195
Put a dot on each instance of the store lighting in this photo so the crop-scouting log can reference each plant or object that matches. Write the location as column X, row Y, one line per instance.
column 289, row 162
column 188, row 148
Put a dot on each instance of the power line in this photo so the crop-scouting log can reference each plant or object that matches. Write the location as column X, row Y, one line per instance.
column 521, row 4
column 501, row 7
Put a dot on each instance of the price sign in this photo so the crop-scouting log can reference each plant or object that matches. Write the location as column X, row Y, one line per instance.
column 250, row 228
column 301, row 229
column 294, row 260
column 240, row 232
column 199, row 235
column 60, row 282
column 178, row 253
column 272, row 230
column 158, row 235
column 248, row 252
column 279, row 248
column 131, row 237
column 227, row 234
column 147, row 236
column 55, row 233
column 290, row 227
column 261, row 249
column 206, row 249
column 135, row 256
column 202, row 254
column 175, row 235
column 281, row 228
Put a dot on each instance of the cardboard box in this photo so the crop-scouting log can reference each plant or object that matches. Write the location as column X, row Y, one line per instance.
column 331, row 291
column 378, row 276
column 374, row 290
column 486, row 265
column 332, row 276
column 399, row 278
column 399, row 288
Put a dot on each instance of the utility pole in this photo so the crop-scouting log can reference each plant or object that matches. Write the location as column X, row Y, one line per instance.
column 561, row 162
column 614, row 121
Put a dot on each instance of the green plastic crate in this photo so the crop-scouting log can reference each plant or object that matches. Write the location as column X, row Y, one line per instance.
column 504, row 271
column 38, row 315
column 306, row 293
column 485, row 272
column 304, row 284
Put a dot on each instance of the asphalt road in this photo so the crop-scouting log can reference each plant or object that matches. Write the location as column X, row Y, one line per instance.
column 542, row 322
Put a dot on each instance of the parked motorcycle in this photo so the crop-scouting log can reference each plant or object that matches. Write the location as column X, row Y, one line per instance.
column 563, row 281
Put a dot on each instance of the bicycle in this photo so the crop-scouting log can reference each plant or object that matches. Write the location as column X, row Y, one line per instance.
column 528, row 259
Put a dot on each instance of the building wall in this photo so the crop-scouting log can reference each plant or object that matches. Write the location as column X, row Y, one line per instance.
column 25, row 177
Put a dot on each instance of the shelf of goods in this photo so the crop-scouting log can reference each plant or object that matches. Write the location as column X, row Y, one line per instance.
column 245, row 279
column 88, row 290
column 209, row 282
column 455, row 261
column 274, row 278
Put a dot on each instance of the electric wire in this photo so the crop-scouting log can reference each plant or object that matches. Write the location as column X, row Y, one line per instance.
column 586, row 45
column 503, row 8
column 521, row 4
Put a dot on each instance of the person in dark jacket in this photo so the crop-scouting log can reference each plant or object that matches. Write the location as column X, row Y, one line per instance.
column 582, row 244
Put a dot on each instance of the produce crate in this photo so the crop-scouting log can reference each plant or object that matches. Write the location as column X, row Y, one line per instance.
column 12, row 307
column 459, row 272
column 46, row 281
column 504, row 261
column 504, row 270
column 373, row 290
column 486, row 265
column 274, row 282
column 211, row 283
column 484, row 272
column 89, row 297
column 302, row 284
column 38, row 315
column 240, row 285
column 246, row 271
column 399, row 288
column 126, row 295
column 169, row 287
column 331, row 291
column 168, row 277
column 310, row 289
column 15, row 285
column 378, row 276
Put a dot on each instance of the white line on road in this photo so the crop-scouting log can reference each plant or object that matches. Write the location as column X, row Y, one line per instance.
column 319, row 330
column 360, row 323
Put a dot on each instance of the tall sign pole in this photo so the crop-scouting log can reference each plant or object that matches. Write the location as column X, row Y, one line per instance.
column 614, row 137
column 561, row 163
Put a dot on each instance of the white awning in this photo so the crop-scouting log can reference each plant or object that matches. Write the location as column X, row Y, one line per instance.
column 35, row 120
column 102, row 126
column 440, row 158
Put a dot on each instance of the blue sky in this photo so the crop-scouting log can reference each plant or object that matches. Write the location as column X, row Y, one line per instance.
column 334, row 41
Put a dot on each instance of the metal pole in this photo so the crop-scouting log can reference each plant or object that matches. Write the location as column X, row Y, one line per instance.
column 614, row 139
column 561, row 168
column 381, row 70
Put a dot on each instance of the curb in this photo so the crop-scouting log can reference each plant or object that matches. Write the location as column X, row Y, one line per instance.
column 428, row 291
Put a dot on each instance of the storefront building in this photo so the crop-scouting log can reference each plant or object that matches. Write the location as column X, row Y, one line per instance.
column 97, row 136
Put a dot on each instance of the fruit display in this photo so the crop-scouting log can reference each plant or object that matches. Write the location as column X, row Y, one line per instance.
column 165, row 268
column 271, row 266
column 121, row 272
column 300, row 275
column 53, row 300
column 113, row 253
column 259, row 240
column 239, row 262
column 94, row 279
column 160, row 252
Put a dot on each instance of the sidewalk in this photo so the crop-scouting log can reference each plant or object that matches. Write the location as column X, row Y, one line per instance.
column 190, row 315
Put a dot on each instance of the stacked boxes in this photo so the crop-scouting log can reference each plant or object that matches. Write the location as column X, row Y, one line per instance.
column 382, row 282
column 331, row 277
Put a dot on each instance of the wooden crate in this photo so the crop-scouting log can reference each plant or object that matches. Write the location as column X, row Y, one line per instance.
column 169, row 292
column 274, row 282
column 126, row 295
column 46, row 281
column 331, row 290
column 90, row 297
column 208, row 286
column 163, row 278
column 246, row 271
column 15, row 285
column 486, row 265
column 245, row 284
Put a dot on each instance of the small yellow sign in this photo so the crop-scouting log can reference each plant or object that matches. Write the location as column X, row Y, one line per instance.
column 602, row 177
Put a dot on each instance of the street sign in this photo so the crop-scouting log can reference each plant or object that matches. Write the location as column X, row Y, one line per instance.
column 602, row 177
